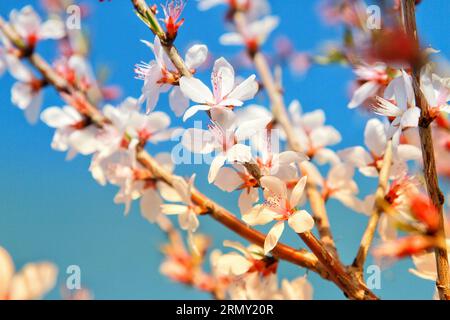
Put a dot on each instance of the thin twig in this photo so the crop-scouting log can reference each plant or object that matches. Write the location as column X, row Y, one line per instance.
column 429, row 162
column 380, row 194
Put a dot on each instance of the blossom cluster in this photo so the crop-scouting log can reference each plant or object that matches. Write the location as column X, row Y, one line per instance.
column 247, row 144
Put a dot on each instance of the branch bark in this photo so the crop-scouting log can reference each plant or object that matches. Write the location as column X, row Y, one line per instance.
column 429, row 162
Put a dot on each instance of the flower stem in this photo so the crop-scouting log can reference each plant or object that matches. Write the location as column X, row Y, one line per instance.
column 367, row 238
column 429, row 162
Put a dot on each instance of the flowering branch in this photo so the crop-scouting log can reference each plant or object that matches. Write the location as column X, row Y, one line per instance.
column 352, row 289
column 429, row 162
column 367, row 238
column 148, row 16
column 299, row 257
column 332, row 265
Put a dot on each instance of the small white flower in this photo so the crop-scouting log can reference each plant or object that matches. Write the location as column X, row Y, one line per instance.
column 225, row 92
column 369, row 162
column 32, row 282
column 30, row 27
column 224, row 138
column 436, row 90
column 426, row 265
column 71, row 133
column 160, row 75
column 403, row 110
column 253, row 9
column 314, row 136
column 254, row 34
column 185, row 211
column 238, row 178
column 375, row 78
column 298, row 289
column 26, row 93
column 279, row 207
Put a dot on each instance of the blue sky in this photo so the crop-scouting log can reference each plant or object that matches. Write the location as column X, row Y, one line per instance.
column 52, row 209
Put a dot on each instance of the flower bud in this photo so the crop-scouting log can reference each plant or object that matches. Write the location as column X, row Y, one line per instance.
column 424, row 210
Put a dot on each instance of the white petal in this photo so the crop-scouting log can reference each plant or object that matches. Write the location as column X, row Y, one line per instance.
column 258, row 215
column 314, row 176
column 168, row 193
column 33, row 281
column 34, row 108
column 239, row 153
column 274, row 186
column 375, row 137
column 233, row 264
column 364, row 92
column 273, row 236
column 245, row 90
column 84, row 141
column 196, row 90
column 196, row 55
column 325, row 136
column 228, row 180
column 18, row 69
column 198, row 141
column 173, row 209
column 21, row 95
column 290, row 157
column 52, row 29
column 188, row 221
column 178, row 102
column 204, row 5
column 247, row 199
column 426, row 85
column 150, row 205
column 406, row 152
column 6, row 272
column 194, row 109
column 356, row 156
column 326, row 156
column 410, row 118
column 231, row 39
column 55, row 117
column 216, row 164
column 297, row 192
column 222, row 78
column 301, row 221
column 314, row 119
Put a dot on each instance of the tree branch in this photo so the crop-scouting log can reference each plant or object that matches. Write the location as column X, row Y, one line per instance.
column 429, row 162
column 367, row 238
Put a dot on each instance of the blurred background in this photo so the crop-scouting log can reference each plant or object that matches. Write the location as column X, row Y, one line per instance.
column 51, row 209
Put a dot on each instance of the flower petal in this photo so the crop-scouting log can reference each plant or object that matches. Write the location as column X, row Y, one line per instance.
column 301, row 221
column 273, row 236
column 196, row 90
column 297, row 192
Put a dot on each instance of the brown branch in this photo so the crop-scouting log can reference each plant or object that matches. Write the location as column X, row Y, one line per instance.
column 320, row 216
column 429, row 162
column 352, row 288
column 380, row 194
column 299, row 257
